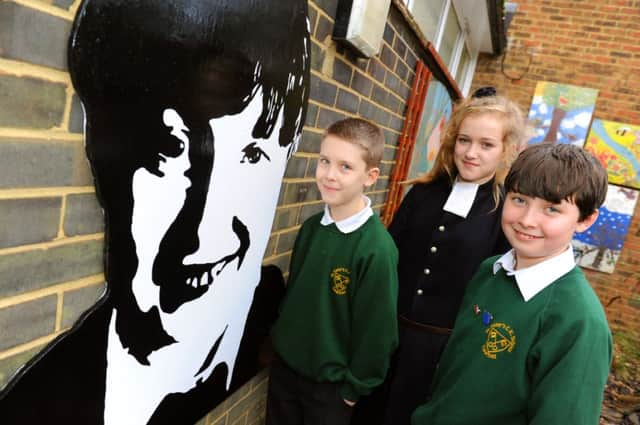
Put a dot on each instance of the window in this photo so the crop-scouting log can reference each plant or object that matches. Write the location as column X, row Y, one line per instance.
column 449, row 38
column 457, row 29
column 463, row 66
column 428, row 15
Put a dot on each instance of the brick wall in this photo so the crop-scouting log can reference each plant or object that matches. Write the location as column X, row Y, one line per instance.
column 51, row 231
column 51, row 236
column 590, row 43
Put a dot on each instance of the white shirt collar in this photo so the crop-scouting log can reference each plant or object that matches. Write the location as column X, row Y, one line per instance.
column 534, row 279
column 352, row 223
column 461, row 198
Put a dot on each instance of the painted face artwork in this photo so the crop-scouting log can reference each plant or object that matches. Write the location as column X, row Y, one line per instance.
column 479, row 148
column 215, row 282
column 538, row 229
column 192, row 110
column 231, row 237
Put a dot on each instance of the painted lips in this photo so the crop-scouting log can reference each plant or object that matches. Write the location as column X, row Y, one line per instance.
column 180, row 283
column 204, row 274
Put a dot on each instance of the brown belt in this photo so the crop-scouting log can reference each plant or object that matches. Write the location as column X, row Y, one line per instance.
column 421, row 327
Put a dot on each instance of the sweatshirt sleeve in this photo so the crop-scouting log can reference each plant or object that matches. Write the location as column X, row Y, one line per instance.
column 569, row 366
column 374, row 323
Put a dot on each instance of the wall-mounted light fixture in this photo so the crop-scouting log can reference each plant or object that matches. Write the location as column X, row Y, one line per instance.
column 360, row 24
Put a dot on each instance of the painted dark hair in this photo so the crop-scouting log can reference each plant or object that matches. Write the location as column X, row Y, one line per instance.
column 130, row 60
column 204, row 58
column 559, row 172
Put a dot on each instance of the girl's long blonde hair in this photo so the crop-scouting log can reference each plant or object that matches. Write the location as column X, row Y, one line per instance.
column 514, row 133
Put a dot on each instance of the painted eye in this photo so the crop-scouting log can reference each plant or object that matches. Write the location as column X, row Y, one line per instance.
column 252, row 153
column 171, row 146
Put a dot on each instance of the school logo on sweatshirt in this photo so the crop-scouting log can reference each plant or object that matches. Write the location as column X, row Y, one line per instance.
column 500, row 338
column 340, row 280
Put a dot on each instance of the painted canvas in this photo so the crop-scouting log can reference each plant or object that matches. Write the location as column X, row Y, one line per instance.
column 617, row 146
column 561, row 113
column 599, row 247
column 437, row 110
column 185, row 103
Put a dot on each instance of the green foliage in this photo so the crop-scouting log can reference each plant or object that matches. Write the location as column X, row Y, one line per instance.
column 567, row 97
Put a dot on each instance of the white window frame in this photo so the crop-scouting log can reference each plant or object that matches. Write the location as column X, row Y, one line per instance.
column 443, row 21
column 461, row 42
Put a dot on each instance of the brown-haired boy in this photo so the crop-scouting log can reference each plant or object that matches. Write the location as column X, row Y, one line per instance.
column 337, row 326
column 531, row 343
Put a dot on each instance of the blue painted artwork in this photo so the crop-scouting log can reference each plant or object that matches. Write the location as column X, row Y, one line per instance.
column 436, row 113
column 599, row 246
column 561, row 113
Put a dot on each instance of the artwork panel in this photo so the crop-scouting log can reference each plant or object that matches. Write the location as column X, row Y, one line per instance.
column 587, row 256
column 561, row 113
column 436, row 113
column 191, row 116
column 617, row 146
column 599, row 246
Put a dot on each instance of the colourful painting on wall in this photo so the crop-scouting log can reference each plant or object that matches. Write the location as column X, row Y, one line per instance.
column 437, row 110
column 599, row 247
column 617, row 146
column 561, row 113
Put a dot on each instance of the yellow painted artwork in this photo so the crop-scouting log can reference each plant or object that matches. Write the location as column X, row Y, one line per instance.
column 617, row 146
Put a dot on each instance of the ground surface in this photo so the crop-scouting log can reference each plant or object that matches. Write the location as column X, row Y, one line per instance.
column 622, row 396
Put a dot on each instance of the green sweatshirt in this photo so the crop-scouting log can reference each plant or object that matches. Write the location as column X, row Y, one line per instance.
column 338, row 320
column 542, row 362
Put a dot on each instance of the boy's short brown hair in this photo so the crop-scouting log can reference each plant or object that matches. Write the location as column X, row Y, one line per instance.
column 556, row 172
column 363, row 133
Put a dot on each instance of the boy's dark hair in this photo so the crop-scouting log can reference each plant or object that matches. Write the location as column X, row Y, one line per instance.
column 363, row 133
column 557, row 172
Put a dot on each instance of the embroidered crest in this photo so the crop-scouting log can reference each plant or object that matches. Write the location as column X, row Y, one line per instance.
column 340, row 280
column 500, row 337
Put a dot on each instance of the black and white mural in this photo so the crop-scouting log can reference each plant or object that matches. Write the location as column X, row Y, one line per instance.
column 192, row 109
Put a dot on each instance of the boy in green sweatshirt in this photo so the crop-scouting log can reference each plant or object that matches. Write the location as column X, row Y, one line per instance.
column 531, row 343
column 338, row 325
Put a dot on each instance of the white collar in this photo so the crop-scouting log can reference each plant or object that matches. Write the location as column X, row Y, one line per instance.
column 352, row 223
column 534, row 279
column 461, row 198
